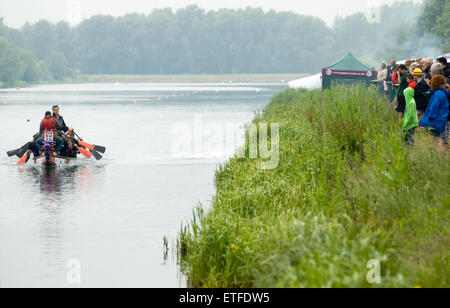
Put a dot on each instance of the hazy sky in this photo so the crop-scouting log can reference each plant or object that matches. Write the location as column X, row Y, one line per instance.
column 18, row 12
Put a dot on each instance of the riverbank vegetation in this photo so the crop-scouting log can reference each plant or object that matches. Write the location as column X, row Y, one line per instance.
column 347, row 190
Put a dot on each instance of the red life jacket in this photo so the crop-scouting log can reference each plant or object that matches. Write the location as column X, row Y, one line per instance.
column 48, row 124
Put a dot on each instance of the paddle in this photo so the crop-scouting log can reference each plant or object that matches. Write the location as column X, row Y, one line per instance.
column 24, row 149
column 91, row 147
column 24, row 158
column 100, row 148
column 12, row 152
column 85, row 152
column 88, row 154
column 19, row 151
column 28, row 157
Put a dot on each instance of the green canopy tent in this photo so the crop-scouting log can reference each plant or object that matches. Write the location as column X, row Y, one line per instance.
column 347, row 70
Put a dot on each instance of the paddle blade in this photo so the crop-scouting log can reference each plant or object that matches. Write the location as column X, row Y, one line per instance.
column 23, row 149
column 99, row 148
column 12, row 153
column 96, row 155
column 24, row 159
column 85, row 152
column 28, row 157
column 86, row 145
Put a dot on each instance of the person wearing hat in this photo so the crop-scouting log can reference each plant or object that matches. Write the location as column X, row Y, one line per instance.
column 421, row 88
column 417, row 73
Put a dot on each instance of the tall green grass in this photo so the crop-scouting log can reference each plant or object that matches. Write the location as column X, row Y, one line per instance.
column 347, row 190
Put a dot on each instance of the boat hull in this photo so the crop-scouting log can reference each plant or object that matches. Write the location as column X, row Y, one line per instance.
column 53, row 162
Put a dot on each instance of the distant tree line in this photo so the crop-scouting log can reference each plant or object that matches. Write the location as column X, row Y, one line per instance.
column 435, row 20
column 195, row 41
column 19, row 63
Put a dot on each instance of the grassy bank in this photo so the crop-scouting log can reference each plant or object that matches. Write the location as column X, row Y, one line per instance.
column 347, row 190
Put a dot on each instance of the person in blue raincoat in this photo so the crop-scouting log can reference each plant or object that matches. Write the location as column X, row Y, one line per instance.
column 437, row 112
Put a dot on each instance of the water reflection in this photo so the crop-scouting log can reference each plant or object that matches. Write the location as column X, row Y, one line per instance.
column 55, row 183
column 60, row 200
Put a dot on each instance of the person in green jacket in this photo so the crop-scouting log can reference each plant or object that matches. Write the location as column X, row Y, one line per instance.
column 411, row 121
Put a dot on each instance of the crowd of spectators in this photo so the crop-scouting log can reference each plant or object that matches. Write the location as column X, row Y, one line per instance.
column 419, row 90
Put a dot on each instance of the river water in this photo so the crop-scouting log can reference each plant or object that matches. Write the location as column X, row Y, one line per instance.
column 102, row 223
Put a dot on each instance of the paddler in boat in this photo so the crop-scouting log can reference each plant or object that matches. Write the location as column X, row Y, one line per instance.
column 71, row 145
column 59, row 121
column 48, row 124
column 67, row 137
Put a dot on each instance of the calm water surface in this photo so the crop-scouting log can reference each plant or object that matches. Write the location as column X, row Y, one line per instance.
column 164, row 143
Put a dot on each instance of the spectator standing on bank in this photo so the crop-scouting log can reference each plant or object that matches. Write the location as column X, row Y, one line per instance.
column 394, row 81
column 411, row 81
column 410, row 120
column 442, row 68
column 403, row 84
column 390, row 69
column 437, row 69
column 445, row 66
column 420, row 97
column 446, row 132
column 413, row 67
column 426, row 70
column 382, row 77
column 382, row 73
column 408, row 63
column 436, row 115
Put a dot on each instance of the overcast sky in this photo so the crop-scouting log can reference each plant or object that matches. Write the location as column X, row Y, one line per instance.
column 18, row 12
